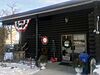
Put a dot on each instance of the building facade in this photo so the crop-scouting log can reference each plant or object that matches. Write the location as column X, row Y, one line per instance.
column 73, row 23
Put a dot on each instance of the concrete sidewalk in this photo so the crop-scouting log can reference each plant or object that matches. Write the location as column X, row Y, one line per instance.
column 56, row 69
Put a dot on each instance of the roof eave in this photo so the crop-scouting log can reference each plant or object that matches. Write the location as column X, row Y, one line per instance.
column 46, row 11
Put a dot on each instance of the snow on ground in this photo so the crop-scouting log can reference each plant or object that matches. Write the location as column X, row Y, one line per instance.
column 96, row 71
column 17, row 68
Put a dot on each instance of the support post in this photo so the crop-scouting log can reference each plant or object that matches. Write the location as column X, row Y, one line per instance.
column 11, row 35
column 36, row 56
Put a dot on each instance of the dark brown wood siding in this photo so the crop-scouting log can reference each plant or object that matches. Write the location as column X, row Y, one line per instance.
column 29, row 37
column 55, row 26
column 79, row 22
column 97, row 36
column 91, row 35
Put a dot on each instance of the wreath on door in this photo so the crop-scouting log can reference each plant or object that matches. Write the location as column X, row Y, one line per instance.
column 67, row 43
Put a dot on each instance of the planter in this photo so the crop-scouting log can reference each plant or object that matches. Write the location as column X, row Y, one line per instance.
column 78, row 70
column 43, row 66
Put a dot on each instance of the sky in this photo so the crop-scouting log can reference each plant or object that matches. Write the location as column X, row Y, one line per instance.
column 26, row 5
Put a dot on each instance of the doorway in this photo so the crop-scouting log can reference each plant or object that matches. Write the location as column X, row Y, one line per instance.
column 72, row 44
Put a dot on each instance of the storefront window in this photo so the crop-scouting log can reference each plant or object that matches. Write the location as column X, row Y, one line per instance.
column 78, row 40
column 72, row 43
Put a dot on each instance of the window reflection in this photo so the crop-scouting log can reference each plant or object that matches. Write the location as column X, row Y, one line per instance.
column 78, row 40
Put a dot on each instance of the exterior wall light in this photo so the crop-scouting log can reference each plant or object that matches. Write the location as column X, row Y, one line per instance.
column 66, row 20
column 97, row 26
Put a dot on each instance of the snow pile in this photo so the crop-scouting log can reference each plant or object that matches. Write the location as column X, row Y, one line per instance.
column 97, row 70
column 17, row 69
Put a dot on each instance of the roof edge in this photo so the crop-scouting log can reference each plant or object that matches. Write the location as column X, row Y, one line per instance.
column 46, row 11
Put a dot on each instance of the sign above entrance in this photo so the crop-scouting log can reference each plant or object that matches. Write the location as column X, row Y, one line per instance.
column 44, row 40
column 21, row 25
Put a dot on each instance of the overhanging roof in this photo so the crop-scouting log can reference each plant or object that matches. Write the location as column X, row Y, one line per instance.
column 51, row 8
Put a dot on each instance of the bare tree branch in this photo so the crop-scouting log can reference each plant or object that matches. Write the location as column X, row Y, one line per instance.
column 12, row 9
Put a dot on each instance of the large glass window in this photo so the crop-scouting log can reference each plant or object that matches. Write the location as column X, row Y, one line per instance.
column 77, row 40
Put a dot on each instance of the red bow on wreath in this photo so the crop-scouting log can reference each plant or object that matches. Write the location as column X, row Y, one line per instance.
column 21, row 25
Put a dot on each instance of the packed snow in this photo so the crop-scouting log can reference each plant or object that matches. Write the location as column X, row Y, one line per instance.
column 21, row 68
column 96, row 71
